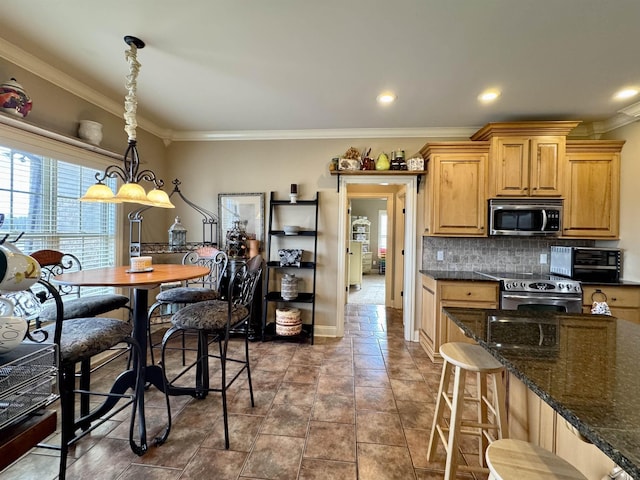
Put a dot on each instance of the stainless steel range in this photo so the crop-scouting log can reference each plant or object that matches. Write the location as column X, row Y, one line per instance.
column 526, row 291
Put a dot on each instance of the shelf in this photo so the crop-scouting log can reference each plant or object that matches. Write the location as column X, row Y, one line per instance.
column 162, row 248
column 270, row 333
column 298, row 203
column 400, row 173
column 274, row 296
column 303, row 265
column 272, row 280
column 301, row 233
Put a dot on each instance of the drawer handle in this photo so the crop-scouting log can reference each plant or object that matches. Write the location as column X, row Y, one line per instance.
column 598, row 291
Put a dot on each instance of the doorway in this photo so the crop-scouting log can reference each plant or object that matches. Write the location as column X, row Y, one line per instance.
column 401, row 285
column 367, row 250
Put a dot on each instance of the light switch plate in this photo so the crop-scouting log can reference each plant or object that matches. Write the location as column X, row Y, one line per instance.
column 440, row 255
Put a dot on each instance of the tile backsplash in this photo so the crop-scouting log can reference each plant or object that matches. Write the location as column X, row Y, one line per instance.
column 492, row 254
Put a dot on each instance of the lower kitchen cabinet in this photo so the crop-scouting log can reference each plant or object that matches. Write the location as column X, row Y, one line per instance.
column 435, row 327
column 623, row 300
column 532, row 420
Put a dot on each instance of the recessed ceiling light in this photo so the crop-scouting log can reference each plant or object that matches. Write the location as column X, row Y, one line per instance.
column 489, row 96
column 386, row 98
column 626, row 93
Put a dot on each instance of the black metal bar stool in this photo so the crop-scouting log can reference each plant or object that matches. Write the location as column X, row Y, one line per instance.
column 460, row 359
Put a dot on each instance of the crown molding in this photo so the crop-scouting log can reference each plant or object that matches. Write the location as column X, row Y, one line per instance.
column 632, row 110
column 212, row 136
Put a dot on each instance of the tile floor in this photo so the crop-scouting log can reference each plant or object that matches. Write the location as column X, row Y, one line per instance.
column 358, row 407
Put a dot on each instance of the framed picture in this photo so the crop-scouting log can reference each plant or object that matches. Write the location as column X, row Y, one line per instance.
column 247, row 208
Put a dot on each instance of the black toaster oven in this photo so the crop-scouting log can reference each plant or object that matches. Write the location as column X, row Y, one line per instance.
column 587, row 264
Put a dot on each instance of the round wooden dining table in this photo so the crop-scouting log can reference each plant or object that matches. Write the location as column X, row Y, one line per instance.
column 141, row 282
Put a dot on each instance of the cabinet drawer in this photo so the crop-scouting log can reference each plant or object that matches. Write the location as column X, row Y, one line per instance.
column 467, row 291
column 614, row 296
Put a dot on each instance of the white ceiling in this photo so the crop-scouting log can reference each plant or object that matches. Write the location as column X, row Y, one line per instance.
column 214, row 66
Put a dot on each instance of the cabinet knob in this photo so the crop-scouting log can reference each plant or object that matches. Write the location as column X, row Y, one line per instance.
column 468, row 293
column 613, row 299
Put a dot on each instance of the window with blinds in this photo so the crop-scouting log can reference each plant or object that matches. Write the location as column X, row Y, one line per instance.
column 39, row 196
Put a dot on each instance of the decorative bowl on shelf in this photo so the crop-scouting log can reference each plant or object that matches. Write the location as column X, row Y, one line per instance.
column 291, row 229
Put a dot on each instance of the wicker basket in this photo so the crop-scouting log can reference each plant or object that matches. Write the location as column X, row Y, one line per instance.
column 288, row 321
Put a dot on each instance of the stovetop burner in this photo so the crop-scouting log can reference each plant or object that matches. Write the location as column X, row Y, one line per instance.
column 529, row 282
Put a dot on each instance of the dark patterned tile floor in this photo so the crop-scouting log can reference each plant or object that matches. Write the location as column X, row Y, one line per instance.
column 357, row 407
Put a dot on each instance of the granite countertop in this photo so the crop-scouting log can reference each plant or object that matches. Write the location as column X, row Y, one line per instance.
column 456, row 275
column 586, row 371
column 468, row 275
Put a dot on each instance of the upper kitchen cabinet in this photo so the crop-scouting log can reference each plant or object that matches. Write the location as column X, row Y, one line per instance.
column 526, row 159
column 455, row 194
column 592, row 189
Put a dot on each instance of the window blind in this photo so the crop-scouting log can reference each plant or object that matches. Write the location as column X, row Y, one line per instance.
column 39, row 196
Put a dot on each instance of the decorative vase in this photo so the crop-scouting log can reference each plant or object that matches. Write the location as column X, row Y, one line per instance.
column 13, row 98
column 382, row 162
column 289, row 287
column 237, row 241
column 90, row 131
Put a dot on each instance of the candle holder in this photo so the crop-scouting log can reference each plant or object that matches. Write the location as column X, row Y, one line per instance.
column 294, row 193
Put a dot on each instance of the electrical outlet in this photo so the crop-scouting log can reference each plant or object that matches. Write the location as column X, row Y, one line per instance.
column 440, row 255
column 543, row 258
column 374, row 263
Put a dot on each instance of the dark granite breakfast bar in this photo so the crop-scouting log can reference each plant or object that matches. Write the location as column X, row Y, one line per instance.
column 584, row 366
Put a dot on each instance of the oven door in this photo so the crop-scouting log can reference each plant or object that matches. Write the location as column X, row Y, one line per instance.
column 540, row 302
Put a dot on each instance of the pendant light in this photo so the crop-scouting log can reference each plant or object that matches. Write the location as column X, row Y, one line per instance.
column 131, row 190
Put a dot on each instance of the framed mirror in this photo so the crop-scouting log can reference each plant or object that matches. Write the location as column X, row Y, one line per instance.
column 247, row 208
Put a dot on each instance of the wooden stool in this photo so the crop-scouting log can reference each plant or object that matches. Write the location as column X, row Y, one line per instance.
column 460, row 358
column 514, row 459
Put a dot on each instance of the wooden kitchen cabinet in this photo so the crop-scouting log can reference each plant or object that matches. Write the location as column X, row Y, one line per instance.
column 592, row 189
column 623, row 300
column 526, row 159
column 526, row 166
column 456, row 197
column 435, row 327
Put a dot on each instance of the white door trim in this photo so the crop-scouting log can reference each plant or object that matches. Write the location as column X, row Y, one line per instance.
column 410, row 251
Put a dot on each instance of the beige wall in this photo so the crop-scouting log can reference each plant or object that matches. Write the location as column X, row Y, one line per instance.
column 209, row 168
column 629, row 199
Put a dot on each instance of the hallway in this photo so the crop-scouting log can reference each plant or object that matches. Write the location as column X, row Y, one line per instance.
column 371, row 291
column 358, row 407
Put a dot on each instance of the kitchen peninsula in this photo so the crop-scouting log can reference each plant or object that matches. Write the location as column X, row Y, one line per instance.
column 583, row 367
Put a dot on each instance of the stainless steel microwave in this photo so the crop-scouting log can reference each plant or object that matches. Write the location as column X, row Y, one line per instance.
column 525, row 217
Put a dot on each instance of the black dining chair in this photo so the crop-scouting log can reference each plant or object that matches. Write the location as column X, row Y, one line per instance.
column 78, row 340
column 193, row 291
column 77, row 304
column 213, row 321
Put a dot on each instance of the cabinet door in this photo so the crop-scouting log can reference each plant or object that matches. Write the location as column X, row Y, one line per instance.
column 547, row 166
column 510, row 162
column 428, row 326
column 458, row 201
column 592, row 195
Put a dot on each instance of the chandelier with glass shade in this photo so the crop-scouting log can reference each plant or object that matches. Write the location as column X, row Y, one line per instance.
column 130, row 173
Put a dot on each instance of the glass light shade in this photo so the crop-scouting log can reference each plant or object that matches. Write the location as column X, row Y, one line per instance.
column 100, row 193
column 133, row 192
column 159, row 198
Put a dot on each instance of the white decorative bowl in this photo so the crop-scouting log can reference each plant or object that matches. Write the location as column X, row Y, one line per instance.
column 291, row 229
